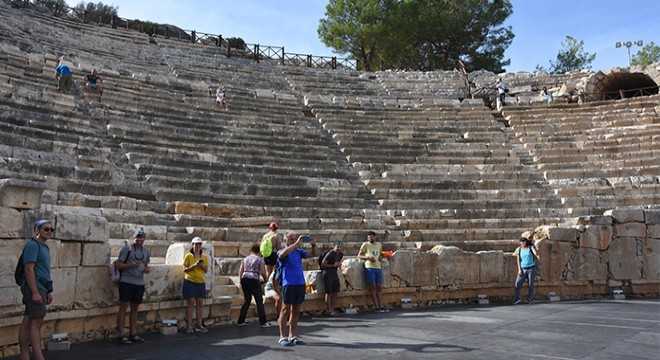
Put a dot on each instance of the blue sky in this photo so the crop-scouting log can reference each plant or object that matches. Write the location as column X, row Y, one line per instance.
column 540, row 26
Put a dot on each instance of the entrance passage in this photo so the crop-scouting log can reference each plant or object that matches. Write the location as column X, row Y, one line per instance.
column 625, row 85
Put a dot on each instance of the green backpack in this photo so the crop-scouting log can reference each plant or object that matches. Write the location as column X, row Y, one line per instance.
column 266, row 247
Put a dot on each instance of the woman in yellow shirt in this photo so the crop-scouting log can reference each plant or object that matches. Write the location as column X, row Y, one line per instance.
column 195, row 266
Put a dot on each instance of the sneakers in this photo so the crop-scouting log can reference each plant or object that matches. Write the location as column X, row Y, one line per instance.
column 530, row 302
column 201, row 329
column 285, row 342
column 189, row 330
column 266, row 325
column 244, row 323
column 516, row 301
column 382, row 310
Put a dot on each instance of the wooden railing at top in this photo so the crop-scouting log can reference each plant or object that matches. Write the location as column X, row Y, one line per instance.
column 252, row 51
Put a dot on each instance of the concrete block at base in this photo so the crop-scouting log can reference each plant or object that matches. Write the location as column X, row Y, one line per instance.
column 350, row 311
column 406, row 303
column 59, row 345
column 619, row 297
column 169, row 330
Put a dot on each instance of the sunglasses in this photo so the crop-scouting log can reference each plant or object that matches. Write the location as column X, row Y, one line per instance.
column 48, row 229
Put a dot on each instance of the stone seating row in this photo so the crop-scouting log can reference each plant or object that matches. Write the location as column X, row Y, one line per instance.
column 608, row 160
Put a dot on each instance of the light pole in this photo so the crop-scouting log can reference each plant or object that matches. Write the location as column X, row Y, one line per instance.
column 628, row 44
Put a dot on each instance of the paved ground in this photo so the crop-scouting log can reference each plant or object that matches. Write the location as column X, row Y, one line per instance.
column 601, row 329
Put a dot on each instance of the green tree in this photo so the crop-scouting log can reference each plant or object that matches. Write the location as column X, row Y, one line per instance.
column 354, row 27
column 571, row 57
column 648, row 55
column 96, row 12
column 236, row 43
column 56, row 6
column 420, row 34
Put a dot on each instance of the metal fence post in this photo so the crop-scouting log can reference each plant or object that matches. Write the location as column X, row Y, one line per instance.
column 282, row 55
column 193, row 35
column 309, row 60
column 256, row 52
column 333, row 63
column 114, row 22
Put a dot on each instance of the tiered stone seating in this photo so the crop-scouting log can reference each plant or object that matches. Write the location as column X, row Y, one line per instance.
column 448, row 175
column 167, row 144
column 595, row 156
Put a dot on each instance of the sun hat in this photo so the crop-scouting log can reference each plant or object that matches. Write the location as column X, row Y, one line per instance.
column 196, row 240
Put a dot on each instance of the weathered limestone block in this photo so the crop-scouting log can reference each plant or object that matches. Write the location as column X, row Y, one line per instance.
column 632, row 229
column 11, row 223
column 226, row 249
column 626, row 215
column 214, row 234
column 456, row 266
column 624, row 264
column 72, row 226
column 652, row 217
column 543, row 249
column 594, row 220
column 653, row 231
column 414, row 268
column 121, row 202
column 54, row 247
column 596, row 237
column 553, row 266
column 10, row 294
column 588, row 265
column 177, row 252
column 93, row 287
column 652, row 259
column 64, row 283
column 557, row 233
column 491, row 269
column 387, row 275
column 95, row 254
column 70, row 254
column 164, row 282
column 8, row 262
column 21, row 194
column 227, row 266
column 353, row 271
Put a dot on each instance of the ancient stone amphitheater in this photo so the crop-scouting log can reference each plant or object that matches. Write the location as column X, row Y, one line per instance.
column 447, row 182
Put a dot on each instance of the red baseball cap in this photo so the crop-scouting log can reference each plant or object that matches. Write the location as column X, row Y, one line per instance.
column 274, row 224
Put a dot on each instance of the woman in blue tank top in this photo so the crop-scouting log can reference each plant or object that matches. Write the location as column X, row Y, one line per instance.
column 526, row 255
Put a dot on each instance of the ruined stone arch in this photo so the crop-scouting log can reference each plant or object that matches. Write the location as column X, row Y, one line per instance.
column 616, row 83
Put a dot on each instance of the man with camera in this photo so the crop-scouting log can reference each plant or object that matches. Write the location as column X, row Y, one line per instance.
column 133, row 262
column 293, row 284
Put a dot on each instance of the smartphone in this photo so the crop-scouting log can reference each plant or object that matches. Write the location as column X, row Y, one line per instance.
column 306, row 238
column 200, row 262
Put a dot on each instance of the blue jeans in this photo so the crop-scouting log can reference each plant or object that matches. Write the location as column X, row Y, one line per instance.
column 527, row 274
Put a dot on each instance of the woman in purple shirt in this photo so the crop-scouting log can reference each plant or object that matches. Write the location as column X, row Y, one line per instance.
column 253, row 269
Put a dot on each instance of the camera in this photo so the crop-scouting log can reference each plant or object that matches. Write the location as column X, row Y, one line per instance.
column 306, row 238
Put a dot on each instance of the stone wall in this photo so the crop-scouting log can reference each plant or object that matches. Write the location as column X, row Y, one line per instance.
column 618, row 250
